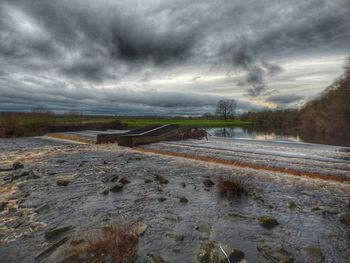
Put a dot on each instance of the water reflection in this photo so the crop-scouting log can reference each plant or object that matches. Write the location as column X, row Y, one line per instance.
column 249, row 133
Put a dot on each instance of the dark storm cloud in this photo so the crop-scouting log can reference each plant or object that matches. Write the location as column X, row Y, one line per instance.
column 285, row 99
column 56, row 52
column 255, row 68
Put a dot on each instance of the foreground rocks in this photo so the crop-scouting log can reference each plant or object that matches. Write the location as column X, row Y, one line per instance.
column 267, row 221
column 274, row 252
column 212, row 252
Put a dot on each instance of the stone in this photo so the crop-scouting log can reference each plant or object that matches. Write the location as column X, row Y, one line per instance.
column 208, row 183
column 274, row 252
column 267, row 221
column 141, row 229
column 204, row 228
column 3, row 205
column 17, row 165
column 53, row 232
column 148, row 180
column 155, row 257
column 161, row 199
column 19, row 174
column 116, row 187
column 124, row 180
column 51, row 248
column 207, row 252
column 63, row 181
column 231, row 254
column 161, row 179
column 312, row 254
column 105, row 191
column 345, row 218
column 183, row 184
column 179, row 238
column 183, row 199
column 292, row 205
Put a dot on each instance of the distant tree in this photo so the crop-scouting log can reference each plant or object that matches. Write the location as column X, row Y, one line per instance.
column 226, row 109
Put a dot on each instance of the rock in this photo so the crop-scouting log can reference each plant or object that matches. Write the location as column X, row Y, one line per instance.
column 61, row 161
column 124, row 180
column 179, row 238
column 148, row 180
column 105, row 191
column 208, row 182
column 292, row 205
column 116, row 187
column 17, row 165
column 183, row 184
column 52, row 248
column 161, row 199
column 33, row 175
column 204, row 228
column 161, row 179
column 183, row 199
column 120, row 206
column 63, row 181
column 141, row 229
column 110, row 178
column 155, row 257
column 231, row 255
column 207, row 252
column 345, row 218
column 56, row 231
column 3, row 205
column 267, row 221
column 238, row 215
column 274, row 252
column 312, row 254
column 19, row 174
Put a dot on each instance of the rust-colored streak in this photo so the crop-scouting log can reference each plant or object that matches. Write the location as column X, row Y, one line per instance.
column 245, row 165
column 68, row 137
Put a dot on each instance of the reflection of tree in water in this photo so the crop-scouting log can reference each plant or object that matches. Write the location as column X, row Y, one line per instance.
column 224, row 132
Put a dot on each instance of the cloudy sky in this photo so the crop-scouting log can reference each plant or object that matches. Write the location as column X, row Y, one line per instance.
column 168, row 57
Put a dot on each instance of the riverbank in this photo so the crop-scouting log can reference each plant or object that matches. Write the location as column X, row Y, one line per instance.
column 65, row 191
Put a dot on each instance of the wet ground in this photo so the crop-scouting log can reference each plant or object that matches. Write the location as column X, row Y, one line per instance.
column 308, row 210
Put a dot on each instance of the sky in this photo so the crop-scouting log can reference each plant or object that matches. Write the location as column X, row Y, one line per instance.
column 166, row 57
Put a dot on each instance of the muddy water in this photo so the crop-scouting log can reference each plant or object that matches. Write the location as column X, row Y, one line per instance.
column 313, row 222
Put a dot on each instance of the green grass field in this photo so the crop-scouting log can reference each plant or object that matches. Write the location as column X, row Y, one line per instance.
column 201, row 123
column 132, row 123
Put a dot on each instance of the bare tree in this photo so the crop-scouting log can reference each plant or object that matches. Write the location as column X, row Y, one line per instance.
column 226, row 108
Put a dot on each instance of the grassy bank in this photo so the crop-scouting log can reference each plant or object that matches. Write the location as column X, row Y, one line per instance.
column 133, row 123
column 32, row 124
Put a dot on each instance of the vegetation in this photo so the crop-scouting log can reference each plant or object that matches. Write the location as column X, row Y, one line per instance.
column 39, row 122
column 113, row 244
column 198, row 122
column 225, row 109
column 329, row 116
column 230, row 187
column 324, row 120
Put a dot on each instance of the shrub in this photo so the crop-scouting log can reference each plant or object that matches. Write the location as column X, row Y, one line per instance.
column 230, row 187
column 117, row 243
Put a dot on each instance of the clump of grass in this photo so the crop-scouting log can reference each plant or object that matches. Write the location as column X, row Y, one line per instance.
column 118, row 243
column 230, row 187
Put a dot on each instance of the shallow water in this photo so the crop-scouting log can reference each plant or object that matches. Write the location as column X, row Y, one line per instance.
column 230, row 221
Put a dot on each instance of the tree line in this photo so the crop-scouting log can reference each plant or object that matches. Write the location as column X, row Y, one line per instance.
column 323, row 120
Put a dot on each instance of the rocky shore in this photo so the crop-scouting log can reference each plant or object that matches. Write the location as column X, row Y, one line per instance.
column 54, row 194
